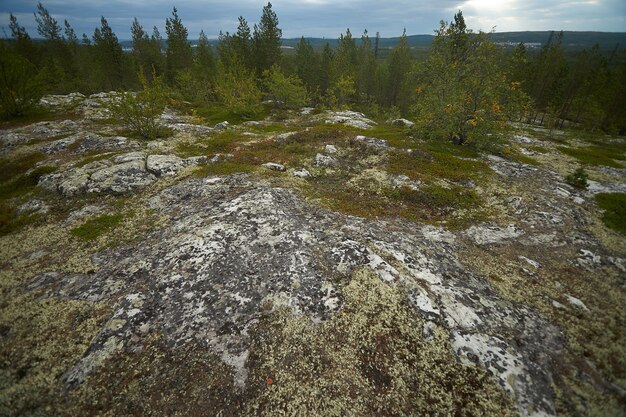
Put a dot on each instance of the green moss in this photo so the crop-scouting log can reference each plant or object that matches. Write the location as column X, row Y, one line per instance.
column 614, row 206
column 97, row 226
column 11, row 167
column 538, row 149
column 595, row 155
column 42, row 339
column 428, row 166
column 11, row 222
column 93, row 157
column 23, row 184
column 368, row 359
column 221, row 143
column 223, row 168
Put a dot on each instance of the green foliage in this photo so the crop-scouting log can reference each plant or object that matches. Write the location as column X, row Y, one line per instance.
column 595, row 155
column 614, row 206
column 223, row 168
column 266, row 38
column 284, row 91
column 578, row 178
column 235, row 87
column 140, row 112
column 20, row 85
column 178, row 55
column 108, row 55
column 97, row 226
column 23, row 184
column 464, row 94
column 10, row 221
column 342, row 92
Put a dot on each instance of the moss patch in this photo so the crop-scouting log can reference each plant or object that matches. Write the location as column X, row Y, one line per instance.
column 93, row 228
column 595, row 155
column 223, row 168
column 614, row 206
column 433, row 165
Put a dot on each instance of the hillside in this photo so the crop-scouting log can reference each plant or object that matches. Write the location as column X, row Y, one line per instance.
column 303, row 262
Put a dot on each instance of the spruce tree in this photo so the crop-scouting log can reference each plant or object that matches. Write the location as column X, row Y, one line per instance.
column 178, row 56
column 109, row 55
column 267, row 40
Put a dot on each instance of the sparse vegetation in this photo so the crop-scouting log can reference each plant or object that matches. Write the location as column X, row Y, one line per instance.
column 614, row 206
column 97, row 226
column 140, row 111
column 578, row 178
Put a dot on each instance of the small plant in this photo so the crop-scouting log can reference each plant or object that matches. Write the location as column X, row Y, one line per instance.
column 97, row 226
column 578, row 178
column 140, row 112
column 614, row 206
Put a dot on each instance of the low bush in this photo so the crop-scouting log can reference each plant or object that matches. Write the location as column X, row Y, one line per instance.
column 140, row 112
column 578, row 178
column 614, row 206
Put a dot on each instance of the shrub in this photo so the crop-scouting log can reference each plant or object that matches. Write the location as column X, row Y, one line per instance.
column 614, row 206
column 20, row 84
column 285, row 91
column 140, row 112
column 236, row 89
column 578, row 178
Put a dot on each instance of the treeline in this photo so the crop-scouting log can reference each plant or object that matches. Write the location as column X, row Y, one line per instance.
column 464, row 89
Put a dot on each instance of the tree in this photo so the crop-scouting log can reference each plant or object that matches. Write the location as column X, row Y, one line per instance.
column 307, row 65
column 23, row 43
column 20, row 85
column 284, row 91
column 147, row 50
column 366, row 68
column 464, row 93
column 47, row 26
column 108, row 54
column 326, row 73
column 267, row 40
column 398, row 69
column 178, row 56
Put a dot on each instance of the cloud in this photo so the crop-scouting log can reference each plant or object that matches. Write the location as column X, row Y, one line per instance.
column 326, row 18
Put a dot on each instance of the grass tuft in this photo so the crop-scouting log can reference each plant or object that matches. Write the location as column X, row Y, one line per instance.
column 93, row 228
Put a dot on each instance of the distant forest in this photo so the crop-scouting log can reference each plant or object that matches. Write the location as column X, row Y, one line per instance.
column 457, row 84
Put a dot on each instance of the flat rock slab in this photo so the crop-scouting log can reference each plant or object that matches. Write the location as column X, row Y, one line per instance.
column 233, row 246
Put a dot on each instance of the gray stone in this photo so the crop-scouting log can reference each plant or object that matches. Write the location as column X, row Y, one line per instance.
column 349, row 118
column 302, row 173
column 325, row 161
column 274, row 166
column 330, row 149
column 401, row 123
column 164, row 165
column 372, row 143
column 121, row 178
column 33, row 206
column 488, row 234
column 222, row 125
column 233, row 245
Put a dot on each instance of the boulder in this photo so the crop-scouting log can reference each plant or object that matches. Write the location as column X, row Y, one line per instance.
column 401, row 123
column 322, row 160
column 164, row 165
column 121, row 178
column 274, row 166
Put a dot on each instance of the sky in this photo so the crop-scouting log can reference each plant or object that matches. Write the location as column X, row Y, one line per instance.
column 327, row 18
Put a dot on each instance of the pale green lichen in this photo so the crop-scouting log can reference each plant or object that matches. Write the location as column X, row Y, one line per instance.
column 368, row 359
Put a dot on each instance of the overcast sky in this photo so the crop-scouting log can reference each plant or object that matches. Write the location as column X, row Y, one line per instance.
column 326, row 18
